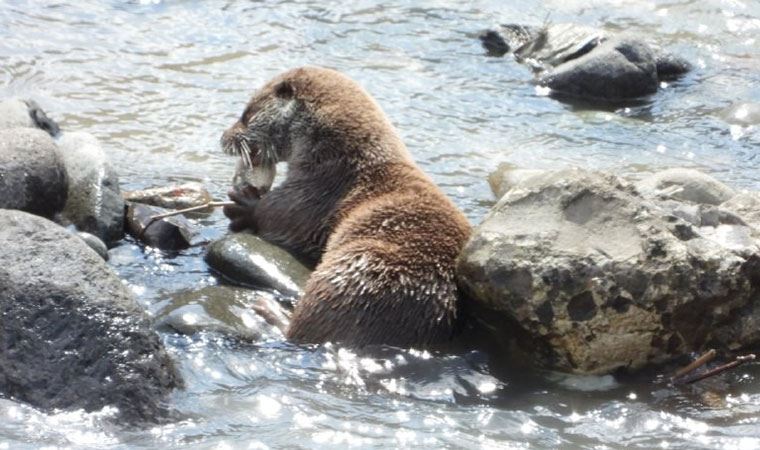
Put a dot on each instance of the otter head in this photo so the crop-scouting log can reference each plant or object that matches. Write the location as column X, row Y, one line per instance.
column 261, row 137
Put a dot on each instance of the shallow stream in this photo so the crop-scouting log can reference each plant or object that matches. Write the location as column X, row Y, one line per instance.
column 158, row 81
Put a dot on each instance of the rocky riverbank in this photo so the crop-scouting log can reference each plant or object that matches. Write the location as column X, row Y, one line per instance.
column 587, row 272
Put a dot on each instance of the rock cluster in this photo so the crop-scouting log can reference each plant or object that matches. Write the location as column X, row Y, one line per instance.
column 72, row 336
column 583, row 63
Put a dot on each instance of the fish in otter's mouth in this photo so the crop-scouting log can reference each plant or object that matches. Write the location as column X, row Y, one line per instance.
column 254, row 167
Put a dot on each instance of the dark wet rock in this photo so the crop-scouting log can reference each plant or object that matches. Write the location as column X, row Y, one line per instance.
column 232, row 311
column 172, row 197
column 592, row 277
column 94, row 202
column 41, row 120
column 546, row 47
column 685, row 185
column 17, row 113
column 669, row 66
column 586, row 63
column 32, row 175
column 615, row 70
column 94, row 243
column 170, row 233
column 71, row 334
column 251, row 261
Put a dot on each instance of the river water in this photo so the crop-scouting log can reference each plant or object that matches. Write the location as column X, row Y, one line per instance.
column 157, row 82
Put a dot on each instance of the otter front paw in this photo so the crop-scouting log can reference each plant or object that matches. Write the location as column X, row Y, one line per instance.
column 242, row 213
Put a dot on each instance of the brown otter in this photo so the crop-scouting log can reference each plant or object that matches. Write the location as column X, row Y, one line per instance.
column 384, row 236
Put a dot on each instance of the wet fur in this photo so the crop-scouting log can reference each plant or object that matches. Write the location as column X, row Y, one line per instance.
column 384, row 237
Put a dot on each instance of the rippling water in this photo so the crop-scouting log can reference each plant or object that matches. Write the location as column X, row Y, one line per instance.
column 157, row 82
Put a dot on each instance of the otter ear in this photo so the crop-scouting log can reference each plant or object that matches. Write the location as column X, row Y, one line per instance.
column 285, row 90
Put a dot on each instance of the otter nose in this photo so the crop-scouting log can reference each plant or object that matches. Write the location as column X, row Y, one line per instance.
column 231, row 137
column 233, row 132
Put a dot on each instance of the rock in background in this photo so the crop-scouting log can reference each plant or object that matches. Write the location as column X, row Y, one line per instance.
column 32, row 175
column 17, row 113
column 591, row 276
column 180, row 196
column 71, row 334
column 587, row 64
column 94, row 202
column 615, row 70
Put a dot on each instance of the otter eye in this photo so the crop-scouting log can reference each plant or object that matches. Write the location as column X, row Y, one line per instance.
column 284, row 90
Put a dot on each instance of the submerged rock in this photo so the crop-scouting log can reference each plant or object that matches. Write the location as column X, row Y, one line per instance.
column 251, row 261
column 94, row 202
column 32, row 175
column 592, row 277
column 170, row 233
column 585, row 63
column 71, row 334
column 743, row 114
column 232, row 311
column 17, row 113
column 173, row 197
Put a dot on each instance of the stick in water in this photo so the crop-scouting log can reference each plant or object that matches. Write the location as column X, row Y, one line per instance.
column 696, row 364
column 158, row 217
column 720, row 369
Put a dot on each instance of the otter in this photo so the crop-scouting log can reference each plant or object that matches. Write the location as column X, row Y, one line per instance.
column 383, row 236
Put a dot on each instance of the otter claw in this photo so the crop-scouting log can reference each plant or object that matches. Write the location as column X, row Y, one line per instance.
column 247, row 196
column 241, row 214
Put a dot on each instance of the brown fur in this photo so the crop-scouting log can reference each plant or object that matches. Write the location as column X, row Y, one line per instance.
column 384, row 236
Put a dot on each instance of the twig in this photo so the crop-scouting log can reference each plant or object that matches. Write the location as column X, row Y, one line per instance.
column 696, row 364
column 158, row 217
column 720, row 369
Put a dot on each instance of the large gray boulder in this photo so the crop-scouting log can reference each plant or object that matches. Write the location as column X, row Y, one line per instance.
column 592, row 277
column 94, row 202
column 17, row 113
column 71, row 335
column 32, row 176
column 14, row 114
column 249, row 260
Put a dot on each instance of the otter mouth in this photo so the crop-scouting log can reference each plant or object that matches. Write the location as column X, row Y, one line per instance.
column 253, row 168
column 243, row 147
